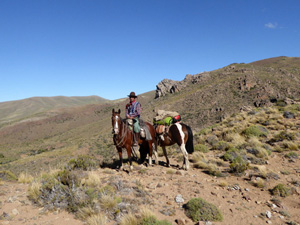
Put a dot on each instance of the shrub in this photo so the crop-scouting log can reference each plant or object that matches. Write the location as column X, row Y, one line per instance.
column 280, row 190
column 97, row 219
column 199, row 210
column 201, row 148
column 291, row 155
column 25, row 178
column 222, row 146
column 256, row 131
column 83, row 162
column 7, row 175
column 283, row 135
column 231, row 154
column 212, row 139
column 239, row 165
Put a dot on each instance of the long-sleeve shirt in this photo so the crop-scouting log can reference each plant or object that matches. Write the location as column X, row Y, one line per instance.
column 133, row 109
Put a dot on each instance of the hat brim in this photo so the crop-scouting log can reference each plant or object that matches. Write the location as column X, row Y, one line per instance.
column 132, row 96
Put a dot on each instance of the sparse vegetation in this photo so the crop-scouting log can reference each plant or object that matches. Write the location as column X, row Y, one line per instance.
column 281, row 190
column 246, row 143
column 84, row 162
column 200, row 210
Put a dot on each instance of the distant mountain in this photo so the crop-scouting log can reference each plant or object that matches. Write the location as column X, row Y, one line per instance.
column 17, row 110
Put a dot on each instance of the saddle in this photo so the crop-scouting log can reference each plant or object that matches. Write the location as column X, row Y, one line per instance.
column 143, row 131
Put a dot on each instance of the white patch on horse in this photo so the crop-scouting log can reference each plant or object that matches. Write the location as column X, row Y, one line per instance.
column 179, row 127
column 182, row 147
column 116, row 126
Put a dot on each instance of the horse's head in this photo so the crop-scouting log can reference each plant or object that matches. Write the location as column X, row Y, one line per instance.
column 116, row 121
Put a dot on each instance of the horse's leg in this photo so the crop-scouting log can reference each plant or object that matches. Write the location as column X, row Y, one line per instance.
column 129, row 156
column 154, row 147
column 186, row 163
column 165, row 153
column 150, row 152
column 120, row 158
column 181, row 143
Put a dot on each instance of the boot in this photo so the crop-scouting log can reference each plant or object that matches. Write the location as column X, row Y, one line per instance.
column 136, row 137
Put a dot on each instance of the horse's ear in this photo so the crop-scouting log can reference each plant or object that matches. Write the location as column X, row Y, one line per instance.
column 113, row 111
column 119, row 111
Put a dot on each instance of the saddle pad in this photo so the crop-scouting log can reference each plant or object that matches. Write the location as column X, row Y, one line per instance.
column 160, row 129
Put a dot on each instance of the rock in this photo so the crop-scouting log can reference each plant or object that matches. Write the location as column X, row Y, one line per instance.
column 180, row 172
column 15, row 212
column 268, row 214
column 179, row 199
column 288, row 115
column 180, row 221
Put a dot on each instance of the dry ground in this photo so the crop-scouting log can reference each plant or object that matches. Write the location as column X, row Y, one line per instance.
column 236, row 197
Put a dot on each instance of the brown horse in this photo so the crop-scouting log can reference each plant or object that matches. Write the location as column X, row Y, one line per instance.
column 123, row 138
column 182, row 135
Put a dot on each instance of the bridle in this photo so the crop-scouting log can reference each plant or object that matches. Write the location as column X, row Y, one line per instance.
column 120, row 141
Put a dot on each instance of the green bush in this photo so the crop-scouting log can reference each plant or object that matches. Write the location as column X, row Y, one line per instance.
column 83, row 162
column 231, row 154
column 7, row 175
column 281, row 190
column 201, row 148
column 222, row 146
column 256, row 131
column 199, row 210
column 291, row 155
column 239, row 165
column 283, row 135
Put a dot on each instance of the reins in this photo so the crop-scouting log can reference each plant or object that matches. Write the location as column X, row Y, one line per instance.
column 121, row 141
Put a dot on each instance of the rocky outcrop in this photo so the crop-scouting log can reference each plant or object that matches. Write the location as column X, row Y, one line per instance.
column 168, row 86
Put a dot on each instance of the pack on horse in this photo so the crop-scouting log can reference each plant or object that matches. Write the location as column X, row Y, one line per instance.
column 177, row 133
column 123, row 138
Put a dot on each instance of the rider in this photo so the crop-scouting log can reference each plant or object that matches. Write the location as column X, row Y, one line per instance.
column 133, row 111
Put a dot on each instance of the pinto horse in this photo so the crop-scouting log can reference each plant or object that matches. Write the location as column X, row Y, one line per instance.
column 123, row 138
column 182, row 135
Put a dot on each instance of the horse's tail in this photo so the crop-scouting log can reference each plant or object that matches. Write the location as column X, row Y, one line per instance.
column 189, row 145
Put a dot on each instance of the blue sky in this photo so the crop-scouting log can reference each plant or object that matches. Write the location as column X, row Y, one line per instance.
column 112, row 47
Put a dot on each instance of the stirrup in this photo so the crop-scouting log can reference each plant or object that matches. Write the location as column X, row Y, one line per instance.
column 143, row 133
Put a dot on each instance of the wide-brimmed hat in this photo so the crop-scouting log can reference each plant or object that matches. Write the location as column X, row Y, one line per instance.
column 132, row 95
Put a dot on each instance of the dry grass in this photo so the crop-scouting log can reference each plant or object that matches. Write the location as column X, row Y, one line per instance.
column 25, row 178
column 108, row 202
column 146, row 212
column 223, row 183
column 85, row 212
column 171, row 171
column 263, row 172
column 93, row 179
column 199, row 160
column 235, row 138
column 129, row 219
column 254, row 142
column 259, row 183
column 34, row 191
column 97, row 219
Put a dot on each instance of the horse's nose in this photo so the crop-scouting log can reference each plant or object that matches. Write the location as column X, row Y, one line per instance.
column 116, row 130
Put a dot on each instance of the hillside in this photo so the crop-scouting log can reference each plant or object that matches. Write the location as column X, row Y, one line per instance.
column 247, row 166
column 17, row 110
column 202, row 100
column 209, row 97
column 245, row 119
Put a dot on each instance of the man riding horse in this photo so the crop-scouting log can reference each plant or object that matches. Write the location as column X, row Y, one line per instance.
column 132, row 114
